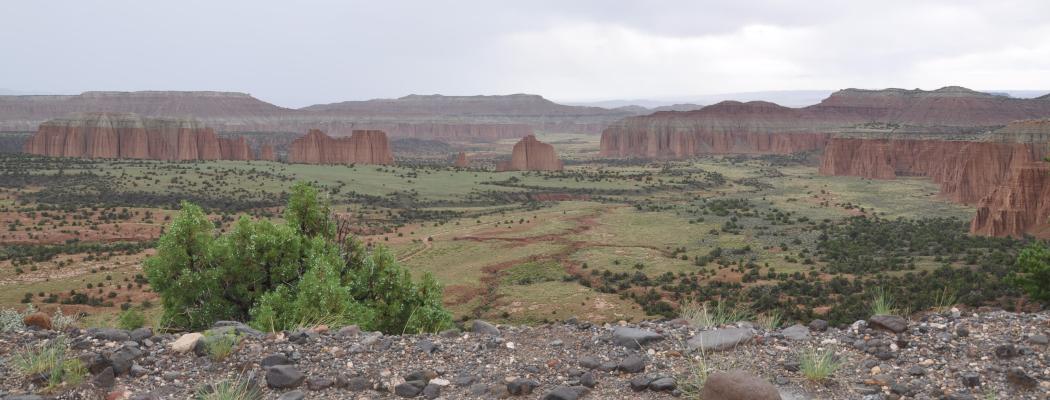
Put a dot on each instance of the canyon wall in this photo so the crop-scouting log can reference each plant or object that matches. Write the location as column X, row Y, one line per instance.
column 726, row 128
column 362, row 147
column 966, row 170
column 1020, row 205
column 113, row 135
column 267, row 153
column 530, row 154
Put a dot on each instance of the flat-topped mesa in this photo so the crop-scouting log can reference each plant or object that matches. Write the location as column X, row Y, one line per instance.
column 1024, row 131
column 267, row 153
column 729, row 127
column 125, row 135
column 530, row 154
column 947, row 106
column 362, row 147
column 1019, row 206
column 461, row 160
column 761, row 127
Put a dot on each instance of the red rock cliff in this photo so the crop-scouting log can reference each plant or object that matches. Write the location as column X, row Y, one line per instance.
column 1018, row 206
column 530, row 154
column 967, row 171
column 726, row 128
column 362, row 147
column 121, row 135
column 266, row 153
column 461, row 160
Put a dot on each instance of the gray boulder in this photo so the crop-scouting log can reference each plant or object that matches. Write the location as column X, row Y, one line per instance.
column 719, row 339
column 484, row 328
column 796, row 332
column 634, row 338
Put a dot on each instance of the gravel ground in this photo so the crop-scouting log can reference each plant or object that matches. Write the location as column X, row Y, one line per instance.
column 985, row 355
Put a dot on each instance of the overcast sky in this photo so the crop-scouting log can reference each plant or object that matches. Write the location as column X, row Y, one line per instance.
column 296, row 53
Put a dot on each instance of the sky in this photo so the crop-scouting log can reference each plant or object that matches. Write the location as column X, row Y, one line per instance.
column 306, row 52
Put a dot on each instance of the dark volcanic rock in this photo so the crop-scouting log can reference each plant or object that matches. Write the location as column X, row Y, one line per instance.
column 284, row 377
column 891, row 323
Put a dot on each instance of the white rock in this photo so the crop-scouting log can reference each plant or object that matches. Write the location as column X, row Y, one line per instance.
column 186, row 342
column 510, row 345
column 440, row 382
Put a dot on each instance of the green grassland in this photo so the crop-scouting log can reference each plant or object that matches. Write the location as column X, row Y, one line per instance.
column 504, row 257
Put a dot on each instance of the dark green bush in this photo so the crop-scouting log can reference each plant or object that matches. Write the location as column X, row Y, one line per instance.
column 1032, row 273
column 283, row 276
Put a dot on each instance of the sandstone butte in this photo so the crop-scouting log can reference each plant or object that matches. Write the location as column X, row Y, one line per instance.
column 125, row 135
column 266, row 153
column 461, row 160
column 530, row 154
column 362, row 147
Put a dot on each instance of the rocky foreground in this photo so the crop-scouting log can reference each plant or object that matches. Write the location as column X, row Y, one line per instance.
column 972, row 355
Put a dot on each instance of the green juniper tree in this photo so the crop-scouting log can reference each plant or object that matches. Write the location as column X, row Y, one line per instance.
column 283, row 276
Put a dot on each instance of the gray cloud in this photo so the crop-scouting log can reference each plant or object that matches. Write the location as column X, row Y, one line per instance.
column 322, row 51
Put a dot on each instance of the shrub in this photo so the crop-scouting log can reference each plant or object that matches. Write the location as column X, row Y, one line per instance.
column 61, row 322
column 12, row 320
column 130, row 320
column 283, row 276
column 1032, row 272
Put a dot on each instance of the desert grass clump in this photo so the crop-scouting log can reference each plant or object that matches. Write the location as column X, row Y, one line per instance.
column 817, row 365
column 220, row 346
column 53, row 360
column 695, row 377
column 945, row 299
column 702, row 316
column 771, row 320
column 882, row 303
column 230, row 389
